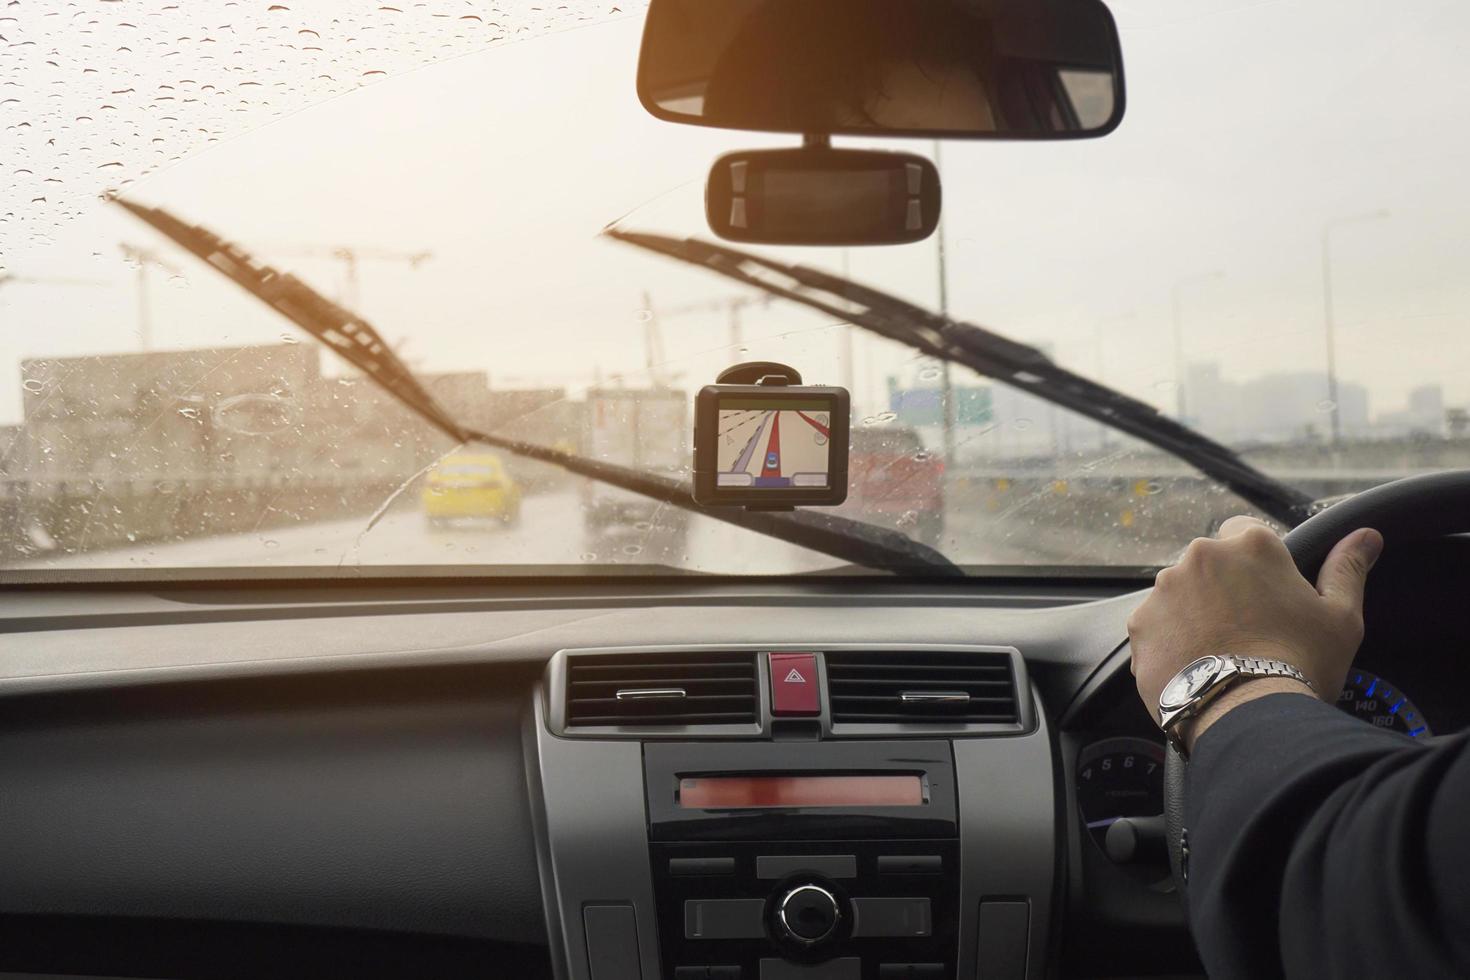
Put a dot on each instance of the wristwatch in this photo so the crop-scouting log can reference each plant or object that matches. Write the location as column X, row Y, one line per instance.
column 1204, row 680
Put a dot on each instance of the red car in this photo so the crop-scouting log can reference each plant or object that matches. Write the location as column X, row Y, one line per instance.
column 893, row 479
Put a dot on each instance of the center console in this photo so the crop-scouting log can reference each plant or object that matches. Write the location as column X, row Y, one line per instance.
column 814, row 854
column 794, row 850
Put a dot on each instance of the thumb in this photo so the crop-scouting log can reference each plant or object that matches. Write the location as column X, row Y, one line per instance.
column 1346, row 568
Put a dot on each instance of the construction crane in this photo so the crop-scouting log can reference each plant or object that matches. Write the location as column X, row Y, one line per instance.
column 351, row 256
column 653, row 346
column 144, row 257
column 8, row 279
column 732, row 306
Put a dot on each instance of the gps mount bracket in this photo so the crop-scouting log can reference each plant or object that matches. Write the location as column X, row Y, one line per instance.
column 759, row 373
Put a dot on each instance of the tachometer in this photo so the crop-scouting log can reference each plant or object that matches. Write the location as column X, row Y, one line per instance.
column 1119, row 777
column 1376, row 701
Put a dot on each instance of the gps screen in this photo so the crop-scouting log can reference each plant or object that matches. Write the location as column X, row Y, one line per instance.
column 773, row 443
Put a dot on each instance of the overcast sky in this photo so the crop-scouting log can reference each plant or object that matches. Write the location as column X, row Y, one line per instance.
column 1249, row 127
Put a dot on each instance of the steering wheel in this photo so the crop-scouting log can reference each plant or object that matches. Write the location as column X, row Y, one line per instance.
column 1414, row 508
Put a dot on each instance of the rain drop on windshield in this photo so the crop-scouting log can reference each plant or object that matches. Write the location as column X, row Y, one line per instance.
column 231, row 69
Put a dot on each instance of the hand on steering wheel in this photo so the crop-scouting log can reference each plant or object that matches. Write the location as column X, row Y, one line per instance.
column 1241, row 595
column 1411, row 509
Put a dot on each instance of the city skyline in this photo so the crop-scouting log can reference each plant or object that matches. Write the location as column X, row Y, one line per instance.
column 1096, row 250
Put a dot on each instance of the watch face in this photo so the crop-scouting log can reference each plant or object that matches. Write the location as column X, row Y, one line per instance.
column 1189, row 682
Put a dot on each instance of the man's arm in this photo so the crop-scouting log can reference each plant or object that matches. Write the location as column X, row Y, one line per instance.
column 1323, row 847
column 1319, row 847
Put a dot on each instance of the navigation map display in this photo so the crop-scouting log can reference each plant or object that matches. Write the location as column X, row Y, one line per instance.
column 771, row 446
column 774, row 445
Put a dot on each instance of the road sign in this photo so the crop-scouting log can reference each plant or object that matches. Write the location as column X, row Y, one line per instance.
column 925, row 406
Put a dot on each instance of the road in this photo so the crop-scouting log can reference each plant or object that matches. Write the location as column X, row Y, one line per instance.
column 550, row 532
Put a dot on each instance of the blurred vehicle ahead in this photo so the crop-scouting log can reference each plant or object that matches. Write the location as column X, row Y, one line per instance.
column 471, row 485
column 643, row 428
column 894, row 480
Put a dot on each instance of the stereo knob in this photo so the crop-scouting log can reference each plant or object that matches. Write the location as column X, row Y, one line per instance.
column 808, row 914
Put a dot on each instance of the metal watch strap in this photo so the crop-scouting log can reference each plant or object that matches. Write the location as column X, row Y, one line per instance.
column 1261, row 667
column 1235, row 668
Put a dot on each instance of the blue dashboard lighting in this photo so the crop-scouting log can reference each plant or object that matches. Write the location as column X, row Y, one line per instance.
column 1416, row 732
column 1396, row 706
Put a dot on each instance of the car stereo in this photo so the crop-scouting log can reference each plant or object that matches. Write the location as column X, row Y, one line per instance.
column 780, row 861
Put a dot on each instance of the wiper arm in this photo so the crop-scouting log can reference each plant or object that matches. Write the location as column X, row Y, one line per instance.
column 358, row 343
column 989, row 354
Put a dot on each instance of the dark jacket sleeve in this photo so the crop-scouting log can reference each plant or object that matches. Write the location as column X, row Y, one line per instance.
column 1322, row 847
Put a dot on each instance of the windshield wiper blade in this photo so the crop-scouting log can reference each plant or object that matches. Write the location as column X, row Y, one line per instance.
column 987, row 353
column 358, row 343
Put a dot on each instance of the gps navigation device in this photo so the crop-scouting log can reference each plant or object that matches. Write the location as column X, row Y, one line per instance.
column 771, row 444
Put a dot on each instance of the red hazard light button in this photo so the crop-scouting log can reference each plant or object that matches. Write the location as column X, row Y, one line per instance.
column 794, row 684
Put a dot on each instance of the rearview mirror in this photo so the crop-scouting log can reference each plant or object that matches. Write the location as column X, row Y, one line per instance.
column 821, row 196
column 988, row 69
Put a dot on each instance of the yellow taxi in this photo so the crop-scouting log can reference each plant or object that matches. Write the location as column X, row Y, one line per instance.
column 471, row 485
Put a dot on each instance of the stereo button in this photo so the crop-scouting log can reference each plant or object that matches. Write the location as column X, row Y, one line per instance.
column 683, row 867
column 842, row 968
column 725, row 918
column 890, row 917
column 828, row 865
column 910, row 864
column 808, row 913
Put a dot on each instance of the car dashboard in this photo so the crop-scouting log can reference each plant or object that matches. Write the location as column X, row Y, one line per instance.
column 845, row 779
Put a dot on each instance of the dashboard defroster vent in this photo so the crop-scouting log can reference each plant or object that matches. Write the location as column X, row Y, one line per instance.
column 925, row 687
column 663, row 689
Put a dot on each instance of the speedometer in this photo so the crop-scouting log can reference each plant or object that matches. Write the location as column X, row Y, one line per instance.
column 1379, row 703
column 1119, row 777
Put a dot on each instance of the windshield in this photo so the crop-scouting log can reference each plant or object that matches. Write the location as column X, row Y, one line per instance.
column 1270, row 249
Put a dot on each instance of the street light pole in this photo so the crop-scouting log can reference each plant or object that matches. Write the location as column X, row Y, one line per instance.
column 1099, row 347
column 848, row 370
column 145, row 313
column 946, row 382
column 144, row 257
column 1178, row 303
column 1329, row 325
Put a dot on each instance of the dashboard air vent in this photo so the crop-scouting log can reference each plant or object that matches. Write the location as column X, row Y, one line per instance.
column 970, row 687
column 651, row 690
